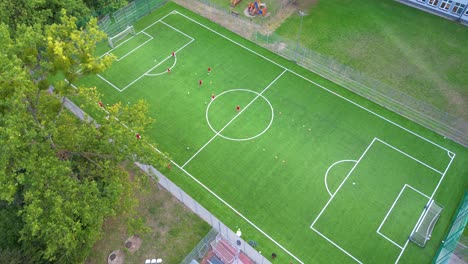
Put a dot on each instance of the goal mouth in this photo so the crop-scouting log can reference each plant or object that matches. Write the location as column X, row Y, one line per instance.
column 423, row 230
column 129, row 30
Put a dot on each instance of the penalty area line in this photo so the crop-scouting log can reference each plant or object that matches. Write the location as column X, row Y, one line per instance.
column 339, row 187
column 336, row 245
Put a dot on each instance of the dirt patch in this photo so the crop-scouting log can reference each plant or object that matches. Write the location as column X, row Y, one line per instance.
column 245, row 27
column 116, row 257
column 133, row 243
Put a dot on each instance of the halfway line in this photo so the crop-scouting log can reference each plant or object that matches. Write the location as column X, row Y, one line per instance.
column 234, row 118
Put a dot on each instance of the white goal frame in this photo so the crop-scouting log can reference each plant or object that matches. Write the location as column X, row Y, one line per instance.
column 121, row 35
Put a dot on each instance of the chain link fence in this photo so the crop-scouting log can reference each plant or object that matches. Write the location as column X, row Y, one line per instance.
column 200, row 250
column 206, row 215
column 385, row 95
column 451, row 248
column 119, row 20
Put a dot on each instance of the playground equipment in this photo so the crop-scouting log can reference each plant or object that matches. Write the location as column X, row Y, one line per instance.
column 257, row 8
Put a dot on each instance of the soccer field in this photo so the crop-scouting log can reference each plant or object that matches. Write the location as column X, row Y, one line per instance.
column 305, row 168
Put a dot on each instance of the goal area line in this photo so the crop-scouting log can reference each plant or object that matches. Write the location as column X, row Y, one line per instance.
column 146, row 73
column 402, row 248
column 391, row 208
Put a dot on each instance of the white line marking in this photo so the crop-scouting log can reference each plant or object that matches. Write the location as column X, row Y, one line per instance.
column 339, row 187
column 234, row 118
column 324, row 88
column 418, row 191
column 111, row 84
column 391, row 241
column 238, row 213
column 163, row 72
column 336, row 245
column 390, row 210
column 329, row 168
column 177, row 30
column 138, row 47
column 239, row 139
column 152, row 68
column 409, row 156
column 430, row 198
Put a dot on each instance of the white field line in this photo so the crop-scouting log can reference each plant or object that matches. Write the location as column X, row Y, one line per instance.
column 238, row 213
column 139, row 32
column 234, row 118
column 329, row 168
column 138, row 47
column 321, row 86
column 152, row 68
column 163, row 72
column 111, row 84
column 430, row 198
column 142, row 31
column 389, row 240
column 418, row 191
column 336, row 245
column 339, row 187
column 391, row 208
column 218, row 197
column 409, row 156
column 177, row 30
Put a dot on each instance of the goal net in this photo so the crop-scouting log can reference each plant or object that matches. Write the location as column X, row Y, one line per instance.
column 121, row 35
column 422, row 232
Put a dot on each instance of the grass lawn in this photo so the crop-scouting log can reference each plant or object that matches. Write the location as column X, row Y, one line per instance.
column 304, row 167
column 418, row 53
column 172, row 230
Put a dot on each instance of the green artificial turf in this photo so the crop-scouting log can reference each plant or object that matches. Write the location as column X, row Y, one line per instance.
column 418, row 53
column 269, row 159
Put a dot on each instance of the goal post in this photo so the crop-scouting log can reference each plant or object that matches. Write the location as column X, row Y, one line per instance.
column 422, row 233
column 121, row 35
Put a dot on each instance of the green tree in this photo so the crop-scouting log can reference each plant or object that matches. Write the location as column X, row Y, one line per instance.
column 32, row 12
column 60, row 177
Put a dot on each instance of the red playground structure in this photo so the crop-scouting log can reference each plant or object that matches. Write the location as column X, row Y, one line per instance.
column 257, row 8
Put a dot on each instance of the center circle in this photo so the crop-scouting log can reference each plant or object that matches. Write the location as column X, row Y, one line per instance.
column 219, row 132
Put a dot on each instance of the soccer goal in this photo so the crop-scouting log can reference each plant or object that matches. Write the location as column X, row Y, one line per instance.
column 422, row 232
column 121, row 35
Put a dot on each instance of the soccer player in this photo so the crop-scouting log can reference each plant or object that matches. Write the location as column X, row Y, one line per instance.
column 238, row 108
column 138, row 136
column 173, row 54
column 212, row 96
column 101, row 104
column 200, row 82
column 169, row 166
column 209, row 70
column 168, row 70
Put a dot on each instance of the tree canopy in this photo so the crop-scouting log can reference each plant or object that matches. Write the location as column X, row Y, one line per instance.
column 59, row 177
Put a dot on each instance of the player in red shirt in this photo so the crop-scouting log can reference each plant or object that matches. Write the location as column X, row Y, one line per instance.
column 200, row 82
column 173, row 54
column 238, row 108
column 209, row 70
column 212, row 97
column 168, row 70
column 138, row 136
